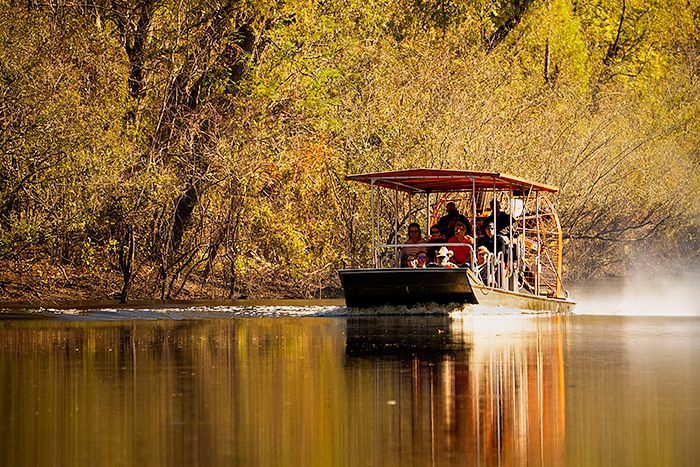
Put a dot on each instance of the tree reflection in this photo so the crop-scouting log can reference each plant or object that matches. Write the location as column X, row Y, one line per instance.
column 420, row 390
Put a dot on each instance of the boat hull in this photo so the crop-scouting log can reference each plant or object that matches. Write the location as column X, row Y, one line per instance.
column 377, row 287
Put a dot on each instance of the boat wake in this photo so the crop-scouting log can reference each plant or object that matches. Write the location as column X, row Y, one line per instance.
column 268, row 310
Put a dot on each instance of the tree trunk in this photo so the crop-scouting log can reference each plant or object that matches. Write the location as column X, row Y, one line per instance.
column 126, row 264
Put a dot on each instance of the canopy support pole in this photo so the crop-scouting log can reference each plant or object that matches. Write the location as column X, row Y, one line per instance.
column 511, row 247
column 495, row 233
column 428, row 214
column 538, row 266
column 375, row 239
column 397, row 260
column 473, row 261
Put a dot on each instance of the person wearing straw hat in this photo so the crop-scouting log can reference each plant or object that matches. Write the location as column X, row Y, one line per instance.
column 443, row 258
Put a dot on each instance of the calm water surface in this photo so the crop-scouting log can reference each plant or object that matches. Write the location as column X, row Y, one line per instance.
column 316, row 384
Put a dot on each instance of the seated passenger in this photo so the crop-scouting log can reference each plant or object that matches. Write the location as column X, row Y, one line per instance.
column 446, row 224
column 410, row 261
column 435, row 237
column 463, row 253
column 482, row 255
column 489, row 238
column 422, row 260
column 443, row 258
column 414, row 238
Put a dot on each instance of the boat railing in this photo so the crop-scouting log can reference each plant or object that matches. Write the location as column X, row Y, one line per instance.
column 384, row 257
column 428, row 245
column 495, row 272
column 504, row 272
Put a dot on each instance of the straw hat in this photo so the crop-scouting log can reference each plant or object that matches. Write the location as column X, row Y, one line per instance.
column 444, row 252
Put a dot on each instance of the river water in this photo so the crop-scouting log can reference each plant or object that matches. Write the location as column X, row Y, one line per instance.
column 616, row 383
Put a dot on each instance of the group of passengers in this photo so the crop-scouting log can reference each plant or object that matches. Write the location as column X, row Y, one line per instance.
column 455, row 228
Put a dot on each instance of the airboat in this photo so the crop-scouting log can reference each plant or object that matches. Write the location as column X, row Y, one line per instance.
column 527, row 276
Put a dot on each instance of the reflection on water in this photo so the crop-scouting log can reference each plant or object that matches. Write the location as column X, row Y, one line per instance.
column 284, row 391
column 197, row 392
column 324, row 387
column 633, row 391
column 466, row 390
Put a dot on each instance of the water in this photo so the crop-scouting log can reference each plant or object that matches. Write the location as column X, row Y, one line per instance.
column 315, row 383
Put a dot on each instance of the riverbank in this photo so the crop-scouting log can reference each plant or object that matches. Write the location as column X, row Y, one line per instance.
column 53, row 284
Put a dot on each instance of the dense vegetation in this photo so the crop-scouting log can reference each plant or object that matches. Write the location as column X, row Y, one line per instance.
column 199, row 148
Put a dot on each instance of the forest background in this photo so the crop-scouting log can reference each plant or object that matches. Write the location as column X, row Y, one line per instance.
column 163, row 149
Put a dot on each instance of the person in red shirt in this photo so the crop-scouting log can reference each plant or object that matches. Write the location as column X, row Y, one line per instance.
column 463, row 253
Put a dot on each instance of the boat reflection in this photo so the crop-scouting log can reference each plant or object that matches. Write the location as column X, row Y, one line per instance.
column 464, row 389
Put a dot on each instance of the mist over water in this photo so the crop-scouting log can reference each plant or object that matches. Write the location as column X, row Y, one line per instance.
column 641, row 295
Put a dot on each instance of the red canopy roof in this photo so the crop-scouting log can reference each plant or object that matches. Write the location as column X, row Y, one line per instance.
column 439, row 180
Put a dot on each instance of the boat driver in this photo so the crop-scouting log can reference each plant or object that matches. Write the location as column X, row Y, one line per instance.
column 446, row 224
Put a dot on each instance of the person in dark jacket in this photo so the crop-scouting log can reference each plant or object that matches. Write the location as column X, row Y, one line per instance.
column 503, row 221
column 446, row 224
column 490, row 238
